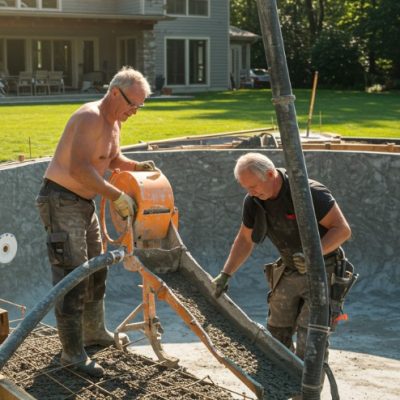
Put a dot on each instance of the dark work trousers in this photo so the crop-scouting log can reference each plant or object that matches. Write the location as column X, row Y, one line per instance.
column 289, row 308
column 73, row 237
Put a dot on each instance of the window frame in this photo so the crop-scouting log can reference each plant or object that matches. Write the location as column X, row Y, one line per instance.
column 186, row 14
column 119, row 39
column 39, row 6
column 187, row 40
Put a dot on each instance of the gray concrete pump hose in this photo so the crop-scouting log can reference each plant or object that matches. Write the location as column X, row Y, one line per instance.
column 25, row 327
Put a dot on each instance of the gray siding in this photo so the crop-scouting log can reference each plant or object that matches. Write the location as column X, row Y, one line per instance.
column 129, row 7
column 146, row 7
column 89, row 6
column 122, row 7
column 215, row 28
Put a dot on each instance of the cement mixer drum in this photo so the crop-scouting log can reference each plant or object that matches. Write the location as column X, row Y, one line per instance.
column 153, row 195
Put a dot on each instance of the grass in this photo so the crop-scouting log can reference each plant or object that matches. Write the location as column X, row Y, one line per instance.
column 346, row 113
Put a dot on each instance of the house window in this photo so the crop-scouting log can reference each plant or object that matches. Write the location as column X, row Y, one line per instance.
column 188, row 7
column 197, row 62
column 29, row 4
column 49, row 4
column 244, row 57
column 8, row 3
column 176, row 61
column 15, row 56
column 62, row 59
column 186, row 61
column 46, row 4
column 3, row 69
column 176, row 7
column 41, row 54
column 88, row 56
column 198, row 7
column 127, row 52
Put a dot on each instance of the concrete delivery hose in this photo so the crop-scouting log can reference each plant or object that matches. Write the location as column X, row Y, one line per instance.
column 25, row 327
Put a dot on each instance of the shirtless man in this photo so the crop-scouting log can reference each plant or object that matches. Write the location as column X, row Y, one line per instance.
column 88, row 148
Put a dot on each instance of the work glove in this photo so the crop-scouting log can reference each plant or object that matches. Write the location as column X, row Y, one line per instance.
column 145, row 166
column 221, row 283
column 125, row 206
column 299, row 262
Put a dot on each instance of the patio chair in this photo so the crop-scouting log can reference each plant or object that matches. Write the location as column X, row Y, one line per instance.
column 56, row 81
column 25, row 81
column 92, row 82
column 41, row 81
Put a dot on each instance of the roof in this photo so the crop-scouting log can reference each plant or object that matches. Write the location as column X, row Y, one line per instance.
column 240, row 34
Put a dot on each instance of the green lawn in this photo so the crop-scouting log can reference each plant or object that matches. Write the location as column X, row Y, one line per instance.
column 342, row 112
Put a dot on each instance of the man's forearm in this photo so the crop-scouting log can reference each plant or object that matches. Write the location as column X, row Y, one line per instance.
column 89, row 177
column 123, row 163
column 334, row 238
column 239, row 253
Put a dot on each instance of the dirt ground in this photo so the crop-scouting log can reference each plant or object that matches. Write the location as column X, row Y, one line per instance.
column 35, row 368
column 359, row 376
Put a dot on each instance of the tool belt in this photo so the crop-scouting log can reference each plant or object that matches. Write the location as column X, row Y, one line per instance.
column 341, row 281
column 341, row 278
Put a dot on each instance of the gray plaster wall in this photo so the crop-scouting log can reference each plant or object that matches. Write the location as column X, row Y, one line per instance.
column 366, row 186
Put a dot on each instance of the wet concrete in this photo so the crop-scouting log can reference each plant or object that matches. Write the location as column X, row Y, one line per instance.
column 366, row 186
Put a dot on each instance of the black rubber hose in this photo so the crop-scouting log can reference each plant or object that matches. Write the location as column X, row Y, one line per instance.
column 283, row 100
column 26, row 326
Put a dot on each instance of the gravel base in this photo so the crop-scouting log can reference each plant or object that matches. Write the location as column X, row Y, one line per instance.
column 36, row 368
column 278, row 384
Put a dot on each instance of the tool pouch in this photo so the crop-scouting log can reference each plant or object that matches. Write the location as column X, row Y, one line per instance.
column 59, row 249
column 273, row 272
column 342, row 280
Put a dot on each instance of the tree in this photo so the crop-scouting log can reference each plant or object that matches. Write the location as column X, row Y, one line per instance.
column 336, row 57
column 372, row 31
column 375, row 25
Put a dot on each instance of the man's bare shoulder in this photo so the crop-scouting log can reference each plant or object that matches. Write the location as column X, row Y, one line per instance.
column 86, row 116
column 88, row 110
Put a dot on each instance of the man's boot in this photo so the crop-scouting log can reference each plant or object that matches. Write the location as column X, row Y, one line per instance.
column 73, row 353
column 94, row 329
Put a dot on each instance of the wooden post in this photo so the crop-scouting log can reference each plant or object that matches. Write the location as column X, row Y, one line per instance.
column 4, row 325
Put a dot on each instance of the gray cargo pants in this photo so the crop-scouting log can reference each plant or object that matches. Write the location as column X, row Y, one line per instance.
column 73, row 237
column 289, row 305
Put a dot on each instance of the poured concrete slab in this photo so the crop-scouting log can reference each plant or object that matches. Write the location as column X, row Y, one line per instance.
column 366, row 349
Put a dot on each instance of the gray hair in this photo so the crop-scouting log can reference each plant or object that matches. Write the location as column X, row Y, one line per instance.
column 127, row 76
column 256, row 163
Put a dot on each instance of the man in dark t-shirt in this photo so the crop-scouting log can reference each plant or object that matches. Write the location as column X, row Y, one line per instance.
column 268, row 212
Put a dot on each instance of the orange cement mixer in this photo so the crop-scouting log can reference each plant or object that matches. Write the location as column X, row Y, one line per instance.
column 154, row 198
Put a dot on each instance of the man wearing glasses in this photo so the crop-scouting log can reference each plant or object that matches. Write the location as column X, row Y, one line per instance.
column 89, row 146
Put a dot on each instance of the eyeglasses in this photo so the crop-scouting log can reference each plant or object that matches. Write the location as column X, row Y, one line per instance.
column 133, row 105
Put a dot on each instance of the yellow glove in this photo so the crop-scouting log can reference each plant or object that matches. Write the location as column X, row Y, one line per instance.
column 145, row 166
column 125, row 206
column 221, row 283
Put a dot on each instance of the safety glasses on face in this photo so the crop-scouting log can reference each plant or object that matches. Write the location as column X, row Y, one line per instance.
column 130, row 104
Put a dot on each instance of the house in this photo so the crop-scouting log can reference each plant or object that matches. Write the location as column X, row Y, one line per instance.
column 240, row 47
column 185, row 43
